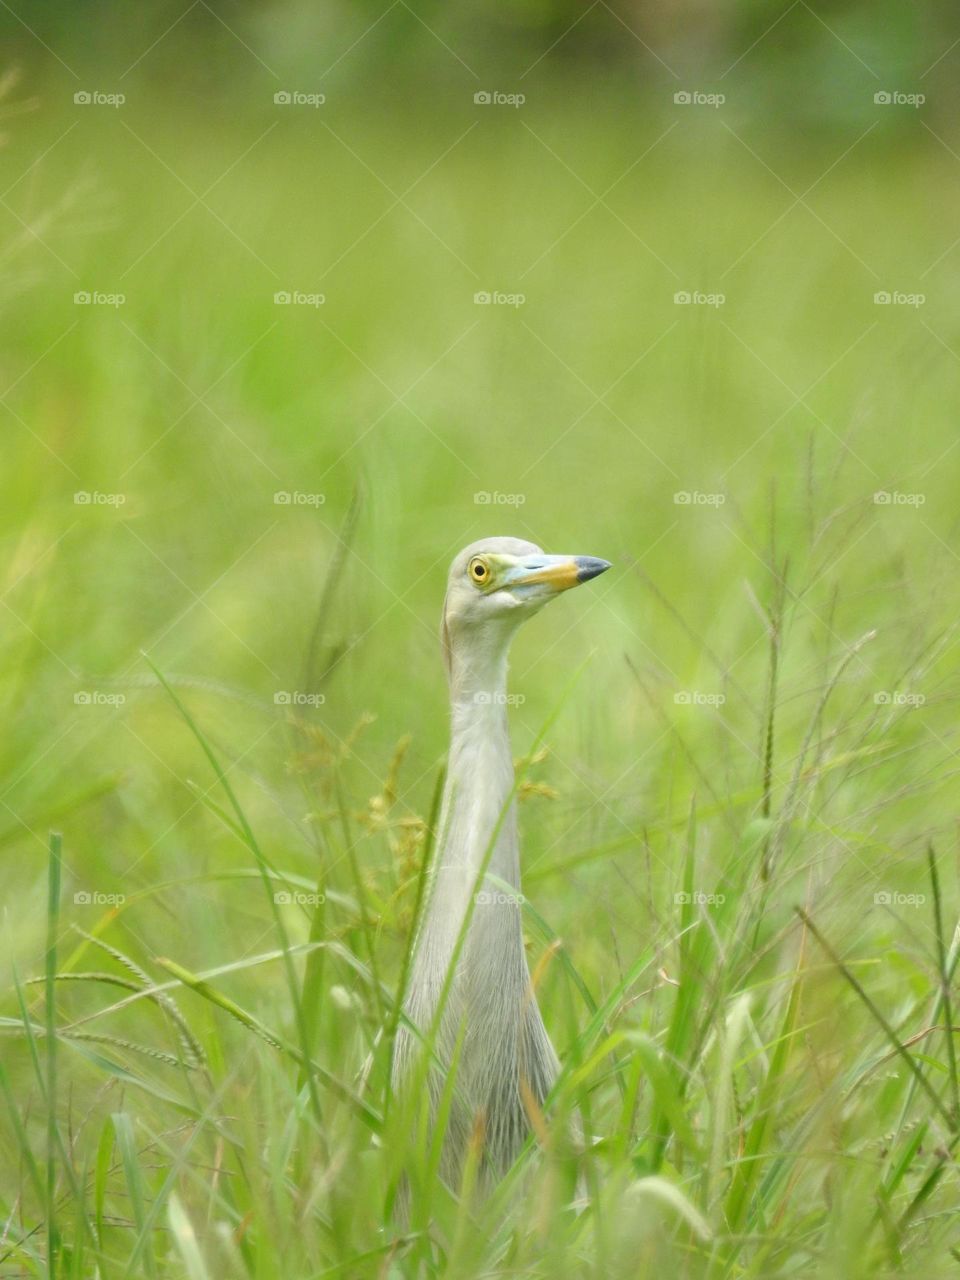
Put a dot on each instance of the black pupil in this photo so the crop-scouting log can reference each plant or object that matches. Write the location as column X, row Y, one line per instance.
column 479, row 570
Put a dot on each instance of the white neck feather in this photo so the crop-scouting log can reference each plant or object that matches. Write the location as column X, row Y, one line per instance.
column 477, row 805
column 480, row 765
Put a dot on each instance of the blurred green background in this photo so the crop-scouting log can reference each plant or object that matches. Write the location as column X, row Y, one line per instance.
column 406, row 418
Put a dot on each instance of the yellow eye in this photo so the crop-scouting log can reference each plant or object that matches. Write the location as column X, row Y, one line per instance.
column 479, row 571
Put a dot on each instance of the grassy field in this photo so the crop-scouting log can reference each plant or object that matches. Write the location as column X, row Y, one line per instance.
column 233, row 709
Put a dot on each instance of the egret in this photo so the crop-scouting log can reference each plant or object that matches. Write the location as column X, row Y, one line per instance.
column 488, row 1016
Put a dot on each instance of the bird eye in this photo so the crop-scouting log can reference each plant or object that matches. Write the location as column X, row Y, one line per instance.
column 479, row 571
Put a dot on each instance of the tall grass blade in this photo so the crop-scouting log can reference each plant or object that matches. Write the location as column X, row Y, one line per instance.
column 53, row 924
column 944, row 977
column 263, row 866
column 880, row 1020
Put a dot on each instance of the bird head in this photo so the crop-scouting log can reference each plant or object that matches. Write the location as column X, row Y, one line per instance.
column 496, row 583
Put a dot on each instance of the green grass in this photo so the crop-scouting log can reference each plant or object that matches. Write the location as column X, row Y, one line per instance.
column 194, row 1069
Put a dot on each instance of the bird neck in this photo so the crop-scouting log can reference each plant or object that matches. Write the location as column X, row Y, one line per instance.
column 478, row 829
column 478, row 805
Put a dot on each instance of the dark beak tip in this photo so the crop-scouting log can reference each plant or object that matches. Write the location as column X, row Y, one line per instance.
column 590, row 567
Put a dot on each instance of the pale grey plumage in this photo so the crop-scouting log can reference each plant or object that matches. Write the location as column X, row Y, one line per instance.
column 494, row 585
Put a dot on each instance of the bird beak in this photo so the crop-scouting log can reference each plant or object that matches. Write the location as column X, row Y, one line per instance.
column 559, row 573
